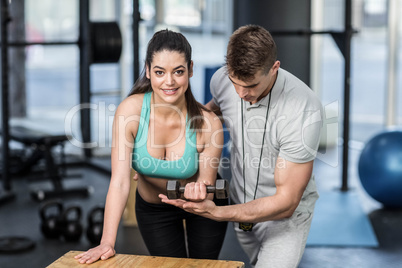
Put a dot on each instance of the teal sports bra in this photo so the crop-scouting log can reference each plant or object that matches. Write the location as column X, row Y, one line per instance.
column 145, row 164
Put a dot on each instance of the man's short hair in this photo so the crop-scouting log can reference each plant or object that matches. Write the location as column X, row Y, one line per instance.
column 251, row 48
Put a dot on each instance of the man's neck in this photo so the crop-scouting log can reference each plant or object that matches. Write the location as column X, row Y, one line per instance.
column 269, row 88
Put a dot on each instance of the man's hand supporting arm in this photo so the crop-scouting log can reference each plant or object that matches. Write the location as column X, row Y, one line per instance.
column 213, row 108
column 291, row 180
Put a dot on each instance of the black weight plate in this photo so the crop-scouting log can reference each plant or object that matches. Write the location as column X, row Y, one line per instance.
column 14, row 244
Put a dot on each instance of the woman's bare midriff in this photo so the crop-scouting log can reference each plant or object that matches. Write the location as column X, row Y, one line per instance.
column 149, row 188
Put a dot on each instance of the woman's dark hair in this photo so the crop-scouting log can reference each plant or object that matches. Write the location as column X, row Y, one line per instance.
column 170, row 41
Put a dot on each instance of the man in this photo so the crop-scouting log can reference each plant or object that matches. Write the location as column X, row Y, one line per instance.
column 274, row 121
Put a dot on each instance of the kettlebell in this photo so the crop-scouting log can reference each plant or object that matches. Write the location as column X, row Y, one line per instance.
column 71, row 227
column 95, row 224
column 50, row 214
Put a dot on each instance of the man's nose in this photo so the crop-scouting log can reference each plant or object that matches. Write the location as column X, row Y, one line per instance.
column 242, row 92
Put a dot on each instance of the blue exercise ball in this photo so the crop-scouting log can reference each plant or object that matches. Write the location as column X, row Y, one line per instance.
column 380, row 168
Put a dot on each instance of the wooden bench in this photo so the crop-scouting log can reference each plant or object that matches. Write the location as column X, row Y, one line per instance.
column 125, row 260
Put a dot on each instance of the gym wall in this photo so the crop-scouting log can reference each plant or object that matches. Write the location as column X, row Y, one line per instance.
column 284, row 15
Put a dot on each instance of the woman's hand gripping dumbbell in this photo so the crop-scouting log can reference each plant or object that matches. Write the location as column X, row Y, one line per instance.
column 221, row 189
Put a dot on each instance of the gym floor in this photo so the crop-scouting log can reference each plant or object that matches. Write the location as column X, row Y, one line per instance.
column 20, row 217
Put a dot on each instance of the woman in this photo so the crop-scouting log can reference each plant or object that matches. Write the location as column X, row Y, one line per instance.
column 165, row 134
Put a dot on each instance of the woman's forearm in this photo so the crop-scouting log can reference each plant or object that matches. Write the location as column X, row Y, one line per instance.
column 115, row 203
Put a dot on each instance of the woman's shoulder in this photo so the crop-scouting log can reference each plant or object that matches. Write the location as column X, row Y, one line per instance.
column 211, row 119
column 131, row 104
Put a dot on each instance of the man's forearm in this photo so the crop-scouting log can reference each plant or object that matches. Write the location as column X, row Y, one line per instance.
column 259, row 210
column 263, row 209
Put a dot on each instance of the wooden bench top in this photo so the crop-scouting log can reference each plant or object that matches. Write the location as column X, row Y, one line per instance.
column 125, row 260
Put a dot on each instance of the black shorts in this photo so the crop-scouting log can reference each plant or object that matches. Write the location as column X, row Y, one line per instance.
column 161, row 227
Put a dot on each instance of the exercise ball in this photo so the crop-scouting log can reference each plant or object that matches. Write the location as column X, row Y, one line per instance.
column 380, row 168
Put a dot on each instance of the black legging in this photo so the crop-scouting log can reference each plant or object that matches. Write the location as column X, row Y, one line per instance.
column 161, row 227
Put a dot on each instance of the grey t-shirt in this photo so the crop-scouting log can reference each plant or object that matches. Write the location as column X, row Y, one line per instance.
column 293, row 133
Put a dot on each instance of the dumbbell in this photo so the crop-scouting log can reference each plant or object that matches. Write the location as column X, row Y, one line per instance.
column 221, row 189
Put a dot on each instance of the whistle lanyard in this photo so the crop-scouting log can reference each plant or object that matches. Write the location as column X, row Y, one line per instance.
column 262, row 147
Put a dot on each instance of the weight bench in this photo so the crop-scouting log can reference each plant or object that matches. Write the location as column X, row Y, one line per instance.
column 42, row 144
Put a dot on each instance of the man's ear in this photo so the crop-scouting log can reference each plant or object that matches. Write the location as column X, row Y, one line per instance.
column 276, row 66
